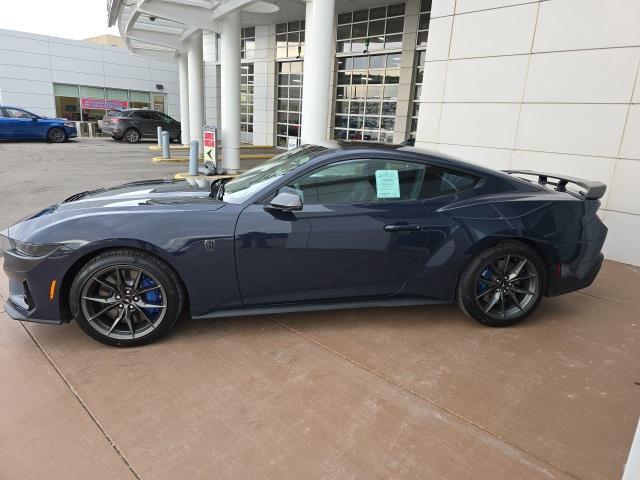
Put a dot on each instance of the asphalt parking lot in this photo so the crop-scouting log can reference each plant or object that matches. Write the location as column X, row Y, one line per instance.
column 420, row 392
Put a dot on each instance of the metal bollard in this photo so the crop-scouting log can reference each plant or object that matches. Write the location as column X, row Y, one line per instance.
column 193, row 157
column 165, row 145
column 159, row 137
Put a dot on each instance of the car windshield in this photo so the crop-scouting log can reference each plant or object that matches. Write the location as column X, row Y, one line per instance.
column 243, row 186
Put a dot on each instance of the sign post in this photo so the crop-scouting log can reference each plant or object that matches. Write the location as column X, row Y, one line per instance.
column 210, row 144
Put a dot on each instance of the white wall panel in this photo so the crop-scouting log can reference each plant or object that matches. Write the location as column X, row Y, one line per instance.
column 582, row 24
column 441, row 8
column 465, row 6
column 433, row 82
column 18, row 73
column 439, row 35
column 26, row 86
column 496, row 158
column 23, row 59
column 123, row 58
column 76, row 65
column 621, row 245
column 492, row 79
column 35, row 103
column 571, row 128
column 125, row 83
column 127, row 71
column 503, row 31
column 478, row 124
column 631, row 141
column 21, row 44
column 428, row 120
column 587, row 76
column 625, row 194
column 93, row 53
column 75, row 78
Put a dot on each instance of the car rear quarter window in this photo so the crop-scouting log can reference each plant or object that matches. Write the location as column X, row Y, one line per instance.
column 440, row 181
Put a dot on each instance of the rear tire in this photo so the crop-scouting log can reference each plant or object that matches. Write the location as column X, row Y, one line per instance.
column 131, row 135
column 57, row 135
column 502, row 285
column 126, row 298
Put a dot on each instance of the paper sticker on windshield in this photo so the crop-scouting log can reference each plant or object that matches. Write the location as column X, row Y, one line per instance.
column 387, row 184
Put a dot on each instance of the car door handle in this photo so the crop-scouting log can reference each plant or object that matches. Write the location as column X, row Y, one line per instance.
column 414, row 227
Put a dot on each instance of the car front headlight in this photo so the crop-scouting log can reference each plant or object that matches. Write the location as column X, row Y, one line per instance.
column 70, row 125
column 6, row 243
column 27, row 249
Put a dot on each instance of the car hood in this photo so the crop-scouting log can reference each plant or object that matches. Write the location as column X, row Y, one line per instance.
column 145, row 194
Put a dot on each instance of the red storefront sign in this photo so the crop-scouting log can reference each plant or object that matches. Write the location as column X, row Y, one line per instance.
column 100, row 104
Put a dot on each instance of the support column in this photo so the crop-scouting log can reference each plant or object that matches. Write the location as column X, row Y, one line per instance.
column 317, row 70
column 196, row 87
column 230, row 91
column 184, row 98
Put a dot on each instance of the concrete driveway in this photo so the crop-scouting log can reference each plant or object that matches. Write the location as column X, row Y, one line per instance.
column 399, row 393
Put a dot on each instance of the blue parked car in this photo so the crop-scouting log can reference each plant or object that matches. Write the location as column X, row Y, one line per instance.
column 19, row 124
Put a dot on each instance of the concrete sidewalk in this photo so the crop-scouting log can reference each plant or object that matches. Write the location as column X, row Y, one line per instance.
column 403, row 393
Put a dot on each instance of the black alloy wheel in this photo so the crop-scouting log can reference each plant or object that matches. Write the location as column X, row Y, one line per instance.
column 126, row 298
column 57, row 135
column 131, row 136
column 502, row 285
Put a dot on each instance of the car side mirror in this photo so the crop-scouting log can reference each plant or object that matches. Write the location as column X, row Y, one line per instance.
column 285, row 202
column 34, row 118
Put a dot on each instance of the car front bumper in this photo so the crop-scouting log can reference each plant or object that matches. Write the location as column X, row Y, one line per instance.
column 30, row 280
column 71, row 132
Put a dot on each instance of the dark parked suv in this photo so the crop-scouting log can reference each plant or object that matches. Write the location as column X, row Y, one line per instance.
column 132, row 124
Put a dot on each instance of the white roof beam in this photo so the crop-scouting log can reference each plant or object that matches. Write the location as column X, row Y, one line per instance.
column 187, row 15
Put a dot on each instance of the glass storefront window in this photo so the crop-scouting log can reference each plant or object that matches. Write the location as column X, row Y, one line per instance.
column 139, row 99
column 423, row 22
column 247, row 43
column 65, row 90
column 290, row 39
column 117, row 94
column 68, row 107
column 289, row 102
column 370, row 30
column 417, row 91
column 366, row 97
column 68, row 100
column 246, row 97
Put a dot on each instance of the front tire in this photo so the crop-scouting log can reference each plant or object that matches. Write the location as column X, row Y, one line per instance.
column 131, row 136
column 57, row 135
column 502, row 285
column 126, row 298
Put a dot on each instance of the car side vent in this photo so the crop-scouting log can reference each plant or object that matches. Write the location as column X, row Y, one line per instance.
column 75, row 197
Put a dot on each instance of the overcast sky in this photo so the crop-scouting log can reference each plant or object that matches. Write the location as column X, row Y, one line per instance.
column 75, row 19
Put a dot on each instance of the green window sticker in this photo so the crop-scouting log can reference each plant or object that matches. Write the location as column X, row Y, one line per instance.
column 387, row 184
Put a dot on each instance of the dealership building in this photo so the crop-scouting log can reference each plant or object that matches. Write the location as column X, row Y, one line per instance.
column 548, row 85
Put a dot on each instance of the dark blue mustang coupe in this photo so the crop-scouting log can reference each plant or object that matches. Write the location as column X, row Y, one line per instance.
column 320, row 227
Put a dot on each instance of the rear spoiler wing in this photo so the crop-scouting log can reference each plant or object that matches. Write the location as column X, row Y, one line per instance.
column 592, row 189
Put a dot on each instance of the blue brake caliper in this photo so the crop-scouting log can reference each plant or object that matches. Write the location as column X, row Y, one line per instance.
column 152, row 296
column 483, row 286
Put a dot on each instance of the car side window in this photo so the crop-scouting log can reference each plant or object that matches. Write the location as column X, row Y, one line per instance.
column 360, row 181
column 15, row 113
column 162, row 117
column 142, row 115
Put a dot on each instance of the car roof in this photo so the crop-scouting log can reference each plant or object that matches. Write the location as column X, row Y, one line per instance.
column 417, row 152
